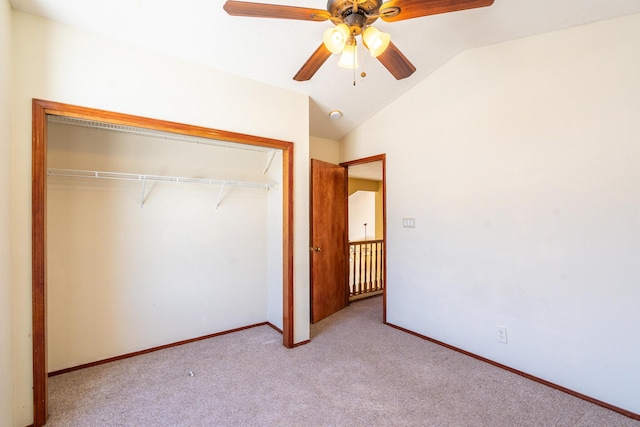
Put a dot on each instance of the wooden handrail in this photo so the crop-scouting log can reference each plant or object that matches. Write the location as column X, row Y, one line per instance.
column 359, row 242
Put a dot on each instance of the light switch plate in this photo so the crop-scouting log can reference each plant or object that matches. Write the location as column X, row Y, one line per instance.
column 408, row 223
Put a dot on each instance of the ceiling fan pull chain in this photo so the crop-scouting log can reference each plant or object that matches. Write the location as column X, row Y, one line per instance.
column 355, row 53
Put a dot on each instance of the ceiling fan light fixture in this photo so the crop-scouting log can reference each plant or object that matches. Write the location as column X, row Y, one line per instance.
column 376, row 41
column 336, row 37
column 349, row 57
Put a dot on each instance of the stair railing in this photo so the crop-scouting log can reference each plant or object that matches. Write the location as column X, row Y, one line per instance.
column 366, row 275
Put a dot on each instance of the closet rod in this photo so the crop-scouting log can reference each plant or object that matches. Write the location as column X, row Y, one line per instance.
column 156, row 178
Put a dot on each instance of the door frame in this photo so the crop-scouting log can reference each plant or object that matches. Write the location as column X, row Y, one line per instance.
column 40, row 110
column 383, row 159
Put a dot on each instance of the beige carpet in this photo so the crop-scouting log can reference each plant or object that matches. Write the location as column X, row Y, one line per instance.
column 355, row 372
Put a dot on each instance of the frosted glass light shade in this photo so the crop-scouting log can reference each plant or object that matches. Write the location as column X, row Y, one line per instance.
column 375, row 40
column 336, row 37
column 349, row 57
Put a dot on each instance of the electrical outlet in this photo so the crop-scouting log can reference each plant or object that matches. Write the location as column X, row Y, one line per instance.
column 502, row 334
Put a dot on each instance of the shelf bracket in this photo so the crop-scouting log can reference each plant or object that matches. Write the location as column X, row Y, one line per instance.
column 270, row 157
column 144, row 182
column 220, row 194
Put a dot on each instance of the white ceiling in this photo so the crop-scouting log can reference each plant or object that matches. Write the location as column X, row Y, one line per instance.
column 273, row 50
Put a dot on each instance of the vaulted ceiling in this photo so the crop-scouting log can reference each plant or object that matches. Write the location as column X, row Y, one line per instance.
column 273, row 50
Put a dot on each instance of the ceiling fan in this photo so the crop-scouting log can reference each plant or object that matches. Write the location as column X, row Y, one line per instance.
column 354, row 18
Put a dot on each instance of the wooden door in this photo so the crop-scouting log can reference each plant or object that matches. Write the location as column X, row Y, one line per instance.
column 329, row 249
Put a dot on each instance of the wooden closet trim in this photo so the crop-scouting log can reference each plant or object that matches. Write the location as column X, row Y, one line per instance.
column 40, row 110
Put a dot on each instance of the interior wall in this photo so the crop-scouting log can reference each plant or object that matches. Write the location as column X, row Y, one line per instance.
column 124, row 278
column 362, row 210
column 63, row 64
column 356, row 184
column 324, row 149
column 380, row 211
column 6, row 291
column 524, row 183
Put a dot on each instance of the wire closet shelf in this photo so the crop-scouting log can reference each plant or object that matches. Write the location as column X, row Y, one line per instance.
column 156, row 178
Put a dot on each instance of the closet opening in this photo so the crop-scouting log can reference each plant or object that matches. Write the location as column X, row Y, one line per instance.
column 152, row 208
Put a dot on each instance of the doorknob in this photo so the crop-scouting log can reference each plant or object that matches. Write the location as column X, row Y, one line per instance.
column 316, row 249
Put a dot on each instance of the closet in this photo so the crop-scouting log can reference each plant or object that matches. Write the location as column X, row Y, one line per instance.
column 154, row 238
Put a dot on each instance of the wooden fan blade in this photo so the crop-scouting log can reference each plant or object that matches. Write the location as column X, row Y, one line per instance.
column 396, row 62
column 313, row 64
column 417, row 8
column 261, row 10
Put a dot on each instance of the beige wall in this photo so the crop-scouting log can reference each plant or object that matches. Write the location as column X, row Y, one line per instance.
column 380, row 211
column 323, row 149
column 6, row 291
column 524, row 183
column 357, row 184
column 59, row 63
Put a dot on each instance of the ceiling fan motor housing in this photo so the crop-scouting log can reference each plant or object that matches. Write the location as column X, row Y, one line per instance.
column 358, row 16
